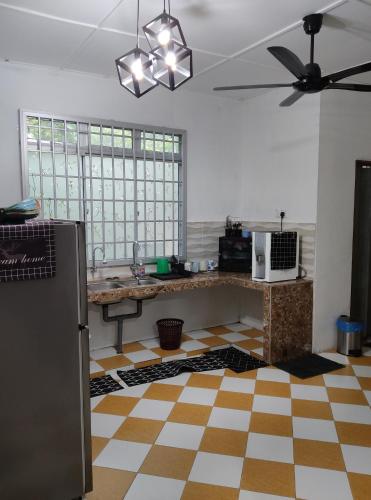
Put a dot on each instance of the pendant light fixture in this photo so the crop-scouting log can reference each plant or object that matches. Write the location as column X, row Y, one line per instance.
column 173, row 59
column 135, row 68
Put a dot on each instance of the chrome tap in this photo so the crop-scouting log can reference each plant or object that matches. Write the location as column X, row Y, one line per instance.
column 136, row 265
column 93, row 261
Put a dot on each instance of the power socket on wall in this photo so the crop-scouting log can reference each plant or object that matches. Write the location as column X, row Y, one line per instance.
column 279, row 211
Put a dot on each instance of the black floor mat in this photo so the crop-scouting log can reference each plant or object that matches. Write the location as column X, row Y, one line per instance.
column 308, row 366
column 237, row 360
column 103, row 385
column 169, row 369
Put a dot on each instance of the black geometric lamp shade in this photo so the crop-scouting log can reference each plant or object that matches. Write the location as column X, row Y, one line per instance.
column 163, row 30
column 173, row 65
column 136, row 72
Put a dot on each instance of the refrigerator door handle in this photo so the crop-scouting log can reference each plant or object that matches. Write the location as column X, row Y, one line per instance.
column 85, row 398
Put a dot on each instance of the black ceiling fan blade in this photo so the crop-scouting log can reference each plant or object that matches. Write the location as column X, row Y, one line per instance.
column 345, row 73
column 289, row 60
column 350, row 86
column 262, row 86
column 291, row 99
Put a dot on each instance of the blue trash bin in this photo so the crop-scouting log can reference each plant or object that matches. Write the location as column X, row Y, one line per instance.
column 349, row 336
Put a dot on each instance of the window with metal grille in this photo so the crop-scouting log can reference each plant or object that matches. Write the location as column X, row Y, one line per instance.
column 125, row 181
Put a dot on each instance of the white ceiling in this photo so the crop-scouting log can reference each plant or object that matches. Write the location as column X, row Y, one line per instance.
column 229, row 37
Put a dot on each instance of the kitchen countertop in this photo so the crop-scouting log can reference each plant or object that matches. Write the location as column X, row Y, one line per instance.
column 200, row 280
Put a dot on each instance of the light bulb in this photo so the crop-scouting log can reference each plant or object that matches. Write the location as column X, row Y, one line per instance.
column 164, row 37
column 170, row 60
column 137, row 69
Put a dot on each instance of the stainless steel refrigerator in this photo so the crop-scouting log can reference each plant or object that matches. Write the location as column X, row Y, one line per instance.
column 45, row 445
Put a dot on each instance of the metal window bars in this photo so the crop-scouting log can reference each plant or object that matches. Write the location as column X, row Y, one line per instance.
column 127, row 182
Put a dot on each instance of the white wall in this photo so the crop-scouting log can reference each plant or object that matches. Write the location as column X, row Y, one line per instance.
column 280, row 158
column 345, row 136
column 213, row 125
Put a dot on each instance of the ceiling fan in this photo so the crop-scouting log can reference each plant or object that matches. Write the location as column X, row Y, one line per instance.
column 309, row 77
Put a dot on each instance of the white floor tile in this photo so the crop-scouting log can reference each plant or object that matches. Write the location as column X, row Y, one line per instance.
column 238, row 327
column 272, row 404
column 192, row 345
column 136, row 391
column 259, row 339
column 253, row 495
column 182, row 355
column 335, row 356
column 368, row 396
column 309, row 392
column 147, row 487
column 138, row 356
column 357, row 414
column 94, row 367
column 150, row 343
column 272, row 375
column 259, row 351
column 96, row 400
column 321, row 484
column 362, row 371
column 151, row 408
column 181, row 436
column 315, row 429
column 234, row 384
column 103, row 425
column 366, row 351
column 225, row 418
column 199, row 334
column 341, row 381
column 233, row 337
column 266, row 447
column 221, row 470
column 106, row 352
column 123, row 455
column 181, row 379
column 357, row 458
column 198, row 396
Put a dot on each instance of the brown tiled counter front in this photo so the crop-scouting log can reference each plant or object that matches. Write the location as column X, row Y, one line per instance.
column 287, row 307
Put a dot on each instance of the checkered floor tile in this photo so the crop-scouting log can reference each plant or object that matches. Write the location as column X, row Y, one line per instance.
column 220, row 435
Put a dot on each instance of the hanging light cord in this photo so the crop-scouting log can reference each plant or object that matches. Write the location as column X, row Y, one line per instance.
column 137, row 24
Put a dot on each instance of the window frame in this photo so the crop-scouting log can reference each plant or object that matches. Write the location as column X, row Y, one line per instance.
column 137, row 130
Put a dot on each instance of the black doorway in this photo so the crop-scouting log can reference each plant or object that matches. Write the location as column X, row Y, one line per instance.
column 361, row 262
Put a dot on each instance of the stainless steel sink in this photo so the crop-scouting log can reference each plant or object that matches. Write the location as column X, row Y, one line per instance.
column 141, row 282
column 147, row 281
column 104, row 285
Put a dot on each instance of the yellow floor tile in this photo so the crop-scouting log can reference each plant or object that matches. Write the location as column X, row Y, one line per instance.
column 204, row 380
column 253, row 333
column 224, row 442
column 114, row 362
column 311, row 409
column 347, row 396
column 347, row 370
column 164, row 353
column 360, row 485
column 365, row 383
column 218, row 330
column 318, row 380
column 200, row 491
column 263, row 476
column 167, row 461
column 318, row 454
column 269, row 423
column 356, row 434
column 248, row 374
column 132, row 347
column 234, row 400
column 97, row 374
column 110, row 484
column 97, row 445
column 116, row 405
column 249, row 344
column 186, row 413
column 140, row 430
column 198, row 352
column 268, row 388
column 214, row 341
column 163, row 392
column 149, row 362
column 362, row 360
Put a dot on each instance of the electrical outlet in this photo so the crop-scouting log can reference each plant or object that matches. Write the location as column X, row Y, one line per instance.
column 278, row 212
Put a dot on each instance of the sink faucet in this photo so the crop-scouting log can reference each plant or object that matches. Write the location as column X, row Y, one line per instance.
column 93, row 263
column 136, row 266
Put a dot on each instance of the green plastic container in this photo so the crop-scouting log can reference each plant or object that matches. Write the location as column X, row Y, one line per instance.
column 162, row 266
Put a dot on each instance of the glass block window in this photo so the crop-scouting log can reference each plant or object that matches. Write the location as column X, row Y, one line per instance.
column 126, row 182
